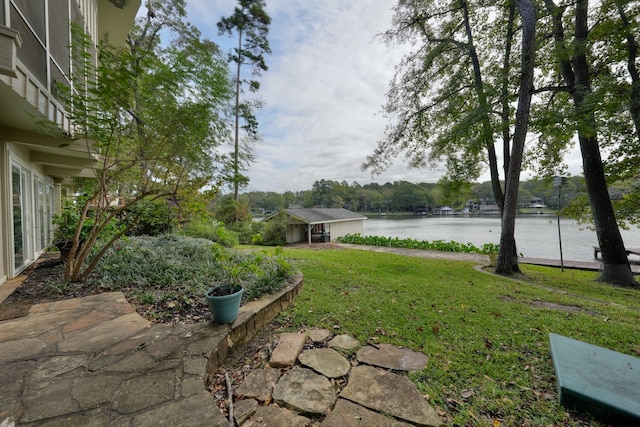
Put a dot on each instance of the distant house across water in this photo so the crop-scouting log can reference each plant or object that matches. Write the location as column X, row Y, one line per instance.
column 444, row 210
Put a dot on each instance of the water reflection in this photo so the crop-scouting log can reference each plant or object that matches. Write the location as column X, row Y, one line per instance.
column 536, row 235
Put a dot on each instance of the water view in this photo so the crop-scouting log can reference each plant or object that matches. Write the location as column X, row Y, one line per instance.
column 536, row 235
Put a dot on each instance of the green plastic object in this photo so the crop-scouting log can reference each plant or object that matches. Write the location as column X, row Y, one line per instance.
column 593, row 379
column 224, row 309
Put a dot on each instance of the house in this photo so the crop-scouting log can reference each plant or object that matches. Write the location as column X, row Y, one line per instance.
column 34, row 57
column 444, row 210
column 320, row 224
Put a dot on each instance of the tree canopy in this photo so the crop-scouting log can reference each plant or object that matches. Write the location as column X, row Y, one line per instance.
column 250, row 22
column 452, row 98
column 154, row 113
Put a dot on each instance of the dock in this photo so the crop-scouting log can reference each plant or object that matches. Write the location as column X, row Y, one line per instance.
column 629, row 251
column 577, row 265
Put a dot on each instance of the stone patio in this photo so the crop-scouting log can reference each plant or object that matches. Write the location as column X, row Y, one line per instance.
column 94, row 361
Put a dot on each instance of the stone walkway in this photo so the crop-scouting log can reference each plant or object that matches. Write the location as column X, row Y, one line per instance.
column 94, row 361
column 321, row 386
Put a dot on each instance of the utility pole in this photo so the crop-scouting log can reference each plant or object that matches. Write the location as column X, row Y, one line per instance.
column 559, row 181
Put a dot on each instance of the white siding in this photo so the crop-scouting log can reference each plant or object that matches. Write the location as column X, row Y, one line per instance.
column 296, row 233
column 339, row 229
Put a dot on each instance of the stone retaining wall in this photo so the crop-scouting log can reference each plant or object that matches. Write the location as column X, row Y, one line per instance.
column 251, row 318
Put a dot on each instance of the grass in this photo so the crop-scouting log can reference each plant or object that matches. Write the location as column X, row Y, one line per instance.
column 486, row 336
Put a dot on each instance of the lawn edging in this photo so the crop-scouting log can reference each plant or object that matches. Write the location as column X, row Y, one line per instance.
column 251, row 318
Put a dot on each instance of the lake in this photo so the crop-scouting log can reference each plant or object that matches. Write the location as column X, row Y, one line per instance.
column 536, row 235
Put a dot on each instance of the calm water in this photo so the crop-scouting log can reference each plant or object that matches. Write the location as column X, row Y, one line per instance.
column 536, row 235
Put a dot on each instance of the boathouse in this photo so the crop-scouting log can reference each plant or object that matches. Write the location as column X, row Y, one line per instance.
column 319, row 224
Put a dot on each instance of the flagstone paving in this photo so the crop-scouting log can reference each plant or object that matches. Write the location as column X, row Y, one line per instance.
column 93, row 361
column 391, row 357
column 326, row 361
column 374, row 395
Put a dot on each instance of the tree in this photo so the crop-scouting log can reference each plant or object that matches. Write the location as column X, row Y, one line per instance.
column 251, row 23
column 444, row 94
column 507, row 262
column 454, row 193
column 152, row 116
column 572, row 58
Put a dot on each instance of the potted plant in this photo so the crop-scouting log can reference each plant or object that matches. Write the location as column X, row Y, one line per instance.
column 224, row 302
column 65, row 224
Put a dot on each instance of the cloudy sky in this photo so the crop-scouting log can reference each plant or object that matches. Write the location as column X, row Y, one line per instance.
column 326, row 84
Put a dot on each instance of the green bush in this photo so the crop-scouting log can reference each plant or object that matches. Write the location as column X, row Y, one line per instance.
column 211, row 230
column 436, row 245
column 244, row 230
column 173, row 272
column 66, row 222
column 273, row 232
column 149, row 217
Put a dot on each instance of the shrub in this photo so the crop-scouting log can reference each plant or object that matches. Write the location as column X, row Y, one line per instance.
column 436, row 245
column 66, row 222
column 149, row 217
column 211, row 230
column 173, row 272
column 273, row 232
column 244, row 230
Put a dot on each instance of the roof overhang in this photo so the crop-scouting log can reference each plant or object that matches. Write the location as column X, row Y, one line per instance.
column 59, row 157
column 115, row 19
column 302, row 220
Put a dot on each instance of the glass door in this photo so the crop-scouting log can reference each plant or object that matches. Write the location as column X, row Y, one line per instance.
column 19, row 240
column 38, row 188
column 20, row 202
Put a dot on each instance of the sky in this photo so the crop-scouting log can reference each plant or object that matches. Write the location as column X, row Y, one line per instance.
column 324, row 91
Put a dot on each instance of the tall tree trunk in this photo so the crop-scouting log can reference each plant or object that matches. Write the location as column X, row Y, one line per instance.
column 236, row 134
column 507, row 259
column 575, row 72
column 487, row 130
column 505, row 116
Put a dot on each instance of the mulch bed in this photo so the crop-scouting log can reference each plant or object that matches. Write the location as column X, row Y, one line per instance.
column 44, row 283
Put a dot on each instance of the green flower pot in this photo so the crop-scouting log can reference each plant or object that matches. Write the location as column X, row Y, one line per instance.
column 224, row 308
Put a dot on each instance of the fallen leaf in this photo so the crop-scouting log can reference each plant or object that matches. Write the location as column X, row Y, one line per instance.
column 454, row 404
column 466, row 394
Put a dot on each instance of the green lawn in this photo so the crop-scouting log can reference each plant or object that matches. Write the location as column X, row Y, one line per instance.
column 486, row 336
